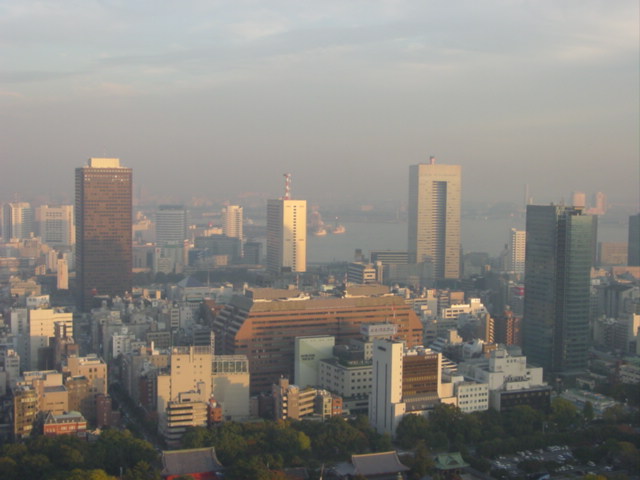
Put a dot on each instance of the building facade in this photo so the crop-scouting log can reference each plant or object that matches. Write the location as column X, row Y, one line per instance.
column 434, row 218
column 55, row 225
column 17, row 221
column 171, row 225
column 517, row 244
column 560, row 252
column 103, row 229
column 264, row 323
column 633, row 256
column 286, row 236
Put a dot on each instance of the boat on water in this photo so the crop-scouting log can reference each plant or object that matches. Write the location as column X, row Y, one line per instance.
column 338, row 229
column 319, row 232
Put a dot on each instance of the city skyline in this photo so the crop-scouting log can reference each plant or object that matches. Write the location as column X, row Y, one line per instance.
column 333, row 93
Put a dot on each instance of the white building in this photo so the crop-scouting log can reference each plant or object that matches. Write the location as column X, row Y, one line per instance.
column 472, row 396
column 517, row 243
column 232, row 222
column 286, row 235
column 55, row 225
column 231, row 385
column 510, row 380
column 308, row 351
column 386, row 408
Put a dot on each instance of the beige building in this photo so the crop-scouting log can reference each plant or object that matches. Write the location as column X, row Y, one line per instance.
column 42, row 324
column 93, row 368
column 434, row 219
column 230, row 383
column 286, row 235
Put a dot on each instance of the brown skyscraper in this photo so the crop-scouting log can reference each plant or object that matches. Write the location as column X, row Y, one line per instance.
column 103, row 229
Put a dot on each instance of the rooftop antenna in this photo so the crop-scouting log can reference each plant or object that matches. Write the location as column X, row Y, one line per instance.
column 287, row 186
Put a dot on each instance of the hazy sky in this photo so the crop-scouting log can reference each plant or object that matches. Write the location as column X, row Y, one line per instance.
column 217, row 98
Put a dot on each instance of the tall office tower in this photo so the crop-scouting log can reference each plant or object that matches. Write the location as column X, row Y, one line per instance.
column 17, row 221
column 171, row 225
column 434, row 217
column 232, row 221
column 560, row 252
column 286, row 234
column 55, row 225
column 103, row 229
column 517, row 244
column 634, row 241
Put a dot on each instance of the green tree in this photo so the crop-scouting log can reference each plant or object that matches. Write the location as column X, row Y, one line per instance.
column 563, row 413
column 523, row 420
column 411, row 429
column 142, row 471
column 587, row 411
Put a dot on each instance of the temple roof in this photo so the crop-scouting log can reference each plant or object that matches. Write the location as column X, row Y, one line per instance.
column 184, row 462
column 450, row 461
column 377, row 463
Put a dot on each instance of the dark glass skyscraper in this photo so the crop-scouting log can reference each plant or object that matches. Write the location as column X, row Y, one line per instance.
column 559, row 254
column 103, row 229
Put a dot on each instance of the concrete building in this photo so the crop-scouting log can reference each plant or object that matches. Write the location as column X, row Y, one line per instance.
column 171, row 225
column 92, row 368
column 232, row 221
column 25, row 410
column 308, row 352
column 55, row 225
column 103, row 229
column 264, row 323
column 365, row 273
column 286, row 236
column 517, row 245
column 230, row 384
column 434, row 218
column 404, row 381
column 511, row 382
column 42, row 323
column 560, row 253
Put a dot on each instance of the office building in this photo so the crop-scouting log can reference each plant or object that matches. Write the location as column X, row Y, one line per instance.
column 103, row 229
column 633, row 256
column 55, row 225
column 404, row 381
column 263, row 325
column 232, row 221
column 434, row 218
column 171, row 225
column 286, row 235
column 17, row 221
column 517, row 244
column 612, row 253
column 560, row 252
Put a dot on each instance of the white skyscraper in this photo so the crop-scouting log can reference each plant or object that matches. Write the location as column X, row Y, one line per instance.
column 232, row 221
column 434, row 217
column 286, row 235
column 517, row 244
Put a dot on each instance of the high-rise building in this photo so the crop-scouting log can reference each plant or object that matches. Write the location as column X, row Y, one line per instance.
column 634, row 241
column 560, row 252
column 517, row 244
column 232, row 221
column 286, row 235
column 55, row 225
column 103, row 229
column 17, row 221
column 434, row 218
column 171, row 225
